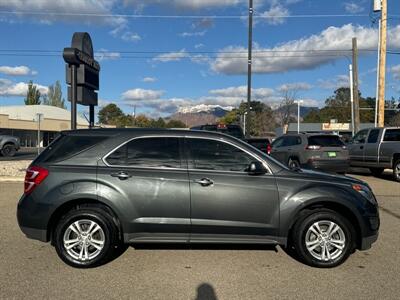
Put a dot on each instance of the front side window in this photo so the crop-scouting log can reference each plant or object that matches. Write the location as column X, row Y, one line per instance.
column 392, row 135
column 278, row 142
column 373, row 136
column 360, row 137
column 216, row 155
column 160, row 152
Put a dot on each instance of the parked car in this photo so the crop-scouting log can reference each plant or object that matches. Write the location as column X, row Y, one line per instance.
column 262, row 144
column 91, row 191
column 377, row 149
column 317, row 151
column 9, row 145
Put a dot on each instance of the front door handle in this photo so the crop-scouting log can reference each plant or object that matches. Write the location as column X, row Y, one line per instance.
column 361, row 147
column 204, row 181
column 121, row 175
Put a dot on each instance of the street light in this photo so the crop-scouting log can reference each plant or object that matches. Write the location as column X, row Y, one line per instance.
column 244, row 123
column 298, row 114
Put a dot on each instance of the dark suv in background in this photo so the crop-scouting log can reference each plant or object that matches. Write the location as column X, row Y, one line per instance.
column 324, row 152
column 91, row 191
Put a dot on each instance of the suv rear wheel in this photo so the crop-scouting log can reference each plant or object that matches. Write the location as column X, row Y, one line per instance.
column 323, row 238
column 293, row 163
column 86, row 237
column 8, row 150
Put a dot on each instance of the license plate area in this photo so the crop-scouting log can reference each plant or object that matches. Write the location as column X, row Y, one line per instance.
column 332, row 154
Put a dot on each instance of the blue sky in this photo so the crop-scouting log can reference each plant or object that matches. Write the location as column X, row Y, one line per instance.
column 189, row 61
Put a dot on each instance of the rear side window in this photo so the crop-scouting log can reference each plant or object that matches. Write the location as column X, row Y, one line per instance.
column 67, row 146
column 147, row 152
column 392, row 135
column 325, row 141
column 373, row 136
column 292, row 141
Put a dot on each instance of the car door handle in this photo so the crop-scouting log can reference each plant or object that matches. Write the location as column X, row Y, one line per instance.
column 361, row 147
column 121, row 175
column 204, row 181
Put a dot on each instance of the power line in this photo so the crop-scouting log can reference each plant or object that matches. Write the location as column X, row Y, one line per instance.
column 142, row 16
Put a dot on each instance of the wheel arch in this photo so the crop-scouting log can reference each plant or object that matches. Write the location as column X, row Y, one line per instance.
column 330, row 204
column 78, row 203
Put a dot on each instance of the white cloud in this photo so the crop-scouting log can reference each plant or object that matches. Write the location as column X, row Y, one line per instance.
column 395, row 70
column 17, row 71
column 186, row 4
column 149, row 79
column 198, row 46
column 141, row 95
column 353, row 7
column 294, row 55
column 130, row 36
column 104, row 54
column 172, row 56
column 192, row 34
column 300, row 86
column 275, row 14
column 11, row 89
column 337, row 82
column 241, row 91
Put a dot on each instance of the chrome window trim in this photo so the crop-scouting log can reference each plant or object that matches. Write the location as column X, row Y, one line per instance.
column 221, row 139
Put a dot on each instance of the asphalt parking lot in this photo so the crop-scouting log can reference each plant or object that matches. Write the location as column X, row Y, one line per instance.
column 32, row 270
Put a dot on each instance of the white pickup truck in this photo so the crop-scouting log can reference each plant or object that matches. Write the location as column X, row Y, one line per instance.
column 377, row 149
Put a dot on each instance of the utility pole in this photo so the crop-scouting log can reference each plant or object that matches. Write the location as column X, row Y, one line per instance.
column 377, row 75
column 382, row 64
column 351, row 99
column 249, row 62
column 355, row 87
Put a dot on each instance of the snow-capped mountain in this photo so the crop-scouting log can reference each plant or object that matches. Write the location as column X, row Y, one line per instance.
column 200, row 114
column 205, row 108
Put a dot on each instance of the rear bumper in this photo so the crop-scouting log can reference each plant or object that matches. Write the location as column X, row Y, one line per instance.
column 35, row 234
column 333, row 165
column 366, row 242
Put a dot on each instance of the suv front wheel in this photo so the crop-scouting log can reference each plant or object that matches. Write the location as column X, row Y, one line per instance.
column 323, row 239
column 86, row 237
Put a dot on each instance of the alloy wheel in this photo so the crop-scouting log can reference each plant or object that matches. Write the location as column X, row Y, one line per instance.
column 84, row 240
column 325, row 240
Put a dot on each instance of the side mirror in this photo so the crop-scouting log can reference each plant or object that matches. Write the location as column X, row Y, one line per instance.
column 256, row 168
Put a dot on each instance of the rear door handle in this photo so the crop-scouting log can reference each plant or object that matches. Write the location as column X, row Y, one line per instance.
column 361, row 147
column 204, row 181
column 121, row 175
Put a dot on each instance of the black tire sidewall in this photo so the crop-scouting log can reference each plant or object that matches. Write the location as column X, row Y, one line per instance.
column 10, row 152
column 397, row 162
column 102, row 221
column 306, row 222
column 295, row 162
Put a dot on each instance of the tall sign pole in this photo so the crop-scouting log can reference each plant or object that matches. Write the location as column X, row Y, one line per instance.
column 73, row 96
column 355, row 87
column 382, row 64
column 249, row 63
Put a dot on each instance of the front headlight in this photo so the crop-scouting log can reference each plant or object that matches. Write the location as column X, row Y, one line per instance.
column 365, row 191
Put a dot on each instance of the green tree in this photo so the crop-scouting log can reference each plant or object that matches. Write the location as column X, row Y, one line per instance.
column 32, row 95
column 159, row 123
column 110, row 114
column 142, row 121
column 54, row 96
column 175, row 124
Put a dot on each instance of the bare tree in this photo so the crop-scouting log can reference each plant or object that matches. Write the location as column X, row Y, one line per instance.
column 286, row 111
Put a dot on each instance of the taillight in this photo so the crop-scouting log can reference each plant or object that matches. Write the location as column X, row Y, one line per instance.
column 313, row 147
column 269, row 149
column 33, row 177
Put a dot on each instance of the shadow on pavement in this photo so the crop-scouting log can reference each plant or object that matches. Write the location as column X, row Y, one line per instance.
column 205, row 291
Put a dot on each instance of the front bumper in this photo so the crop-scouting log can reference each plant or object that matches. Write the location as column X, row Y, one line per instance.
column 332, row 165
column 366, row 242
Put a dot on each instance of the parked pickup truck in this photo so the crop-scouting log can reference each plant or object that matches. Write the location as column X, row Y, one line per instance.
column 376, row 149
column 9, row 145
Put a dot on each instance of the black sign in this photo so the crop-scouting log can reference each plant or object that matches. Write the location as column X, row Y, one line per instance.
column 84, row 96
column 80, row 59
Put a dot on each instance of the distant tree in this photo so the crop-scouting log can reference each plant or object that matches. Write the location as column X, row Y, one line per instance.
column 32, row 95
column 54, row 96
column 142, row 121
column 284, row 114
column 110, row 114
column 159, row 123
column 175, row 124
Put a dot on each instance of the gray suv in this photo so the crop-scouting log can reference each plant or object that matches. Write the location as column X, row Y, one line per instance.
column 324, row 152
column 92, row 191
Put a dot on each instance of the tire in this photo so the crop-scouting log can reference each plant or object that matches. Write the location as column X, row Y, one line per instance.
column 304, row 232
column 396, row 170
column 376, row 171
column 293, row 163
column 8, row 150
column 91, row 246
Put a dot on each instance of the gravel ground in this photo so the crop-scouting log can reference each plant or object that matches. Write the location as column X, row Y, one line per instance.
column 13, row 168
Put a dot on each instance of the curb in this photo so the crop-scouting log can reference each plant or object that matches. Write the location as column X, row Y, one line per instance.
column 11, row 179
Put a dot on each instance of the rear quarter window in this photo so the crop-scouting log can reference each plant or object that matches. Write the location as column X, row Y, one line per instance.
column 392, row 135
column 67, row 146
